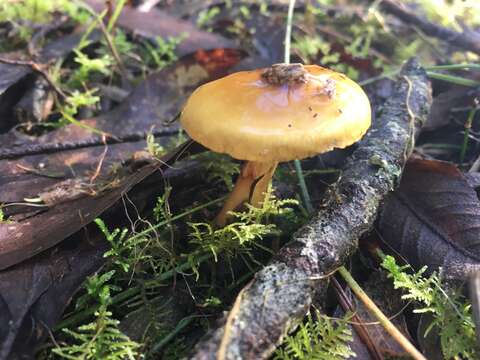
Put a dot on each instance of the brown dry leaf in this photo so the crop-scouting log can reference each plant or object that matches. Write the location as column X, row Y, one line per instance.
column 443, row 103
column 24, row 237
column 433, row 218
column 158, row 99
column 10, row 74
column 34, row 294
column 34, row 229
column 157, row 23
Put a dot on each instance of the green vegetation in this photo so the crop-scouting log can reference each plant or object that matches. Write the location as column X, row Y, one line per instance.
column 135, row 256
column 318, row 338
column 101, row 339
column 451, row 312
column 22, row 14
column 165, row 247
column 448, row 13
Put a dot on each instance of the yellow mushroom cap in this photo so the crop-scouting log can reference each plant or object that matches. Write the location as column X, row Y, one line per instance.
column 250, row 117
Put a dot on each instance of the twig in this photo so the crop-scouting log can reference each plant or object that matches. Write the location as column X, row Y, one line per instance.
column 466, row 134
column 282, row 292
column 385, row 321
column 298, row 165
column 467, row 40
column 39, row 68
column 358, row 324
column 114, row 51
column 100, row 162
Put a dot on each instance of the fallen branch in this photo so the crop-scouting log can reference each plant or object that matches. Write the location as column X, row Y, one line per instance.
column 279, row 296
column 467, row 40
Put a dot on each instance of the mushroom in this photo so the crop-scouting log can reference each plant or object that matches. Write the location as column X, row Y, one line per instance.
column 281, row 113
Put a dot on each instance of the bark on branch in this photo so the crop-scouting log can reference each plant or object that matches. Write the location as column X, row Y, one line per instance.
column 279, row 296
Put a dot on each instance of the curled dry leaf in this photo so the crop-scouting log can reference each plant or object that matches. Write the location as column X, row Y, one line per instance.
column 23, row 238
column 156, row 23
column 433, row 218
column 442, row 105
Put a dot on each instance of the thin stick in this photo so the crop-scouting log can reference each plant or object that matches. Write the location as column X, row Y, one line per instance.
column 358, row 324
column 288, row 31
column 113, row 50
column 384, row 321
column 39, row 68
column 466, row 134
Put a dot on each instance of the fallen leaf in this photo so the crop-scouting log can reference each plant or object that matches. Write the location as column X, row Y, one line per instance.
column 156, row 23
column 433, row 218
column 155, row 101
column 20, row 240
column 34, row 294
column 443, row 103
column 10, row 74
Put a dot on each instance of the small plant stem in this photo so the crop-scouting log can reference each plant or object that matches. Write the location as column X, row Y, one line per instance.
column 384, row 75
column 298, row 166
column 124, row 295
column 288, row 31
column 113, row 50
column 303, row 187
column 116, row 13
column 39, row 68
column 453, row 79
column 431, row 71
column 452, row 67
column 467, row 126
column 176, row 217
column 93, row 130
column 182, row 324
column 384, row 321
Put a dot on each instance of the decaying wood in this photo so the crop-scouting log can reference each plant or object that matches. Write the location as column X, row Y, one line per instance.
column 279, row 296
column 467, row 40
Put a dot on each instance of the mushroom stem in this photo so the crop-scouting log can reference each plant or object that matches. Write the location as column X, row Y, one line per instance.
column 251, row 187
